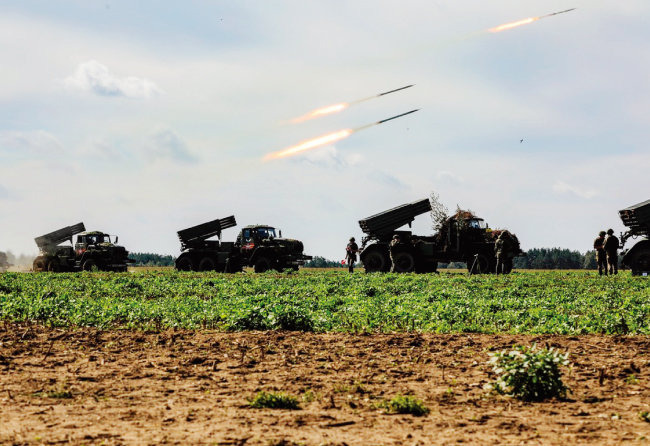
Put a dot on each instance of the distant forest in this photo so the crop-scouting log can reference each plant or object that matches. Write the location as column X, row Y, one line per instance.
column 150, row 259
column 536, row 258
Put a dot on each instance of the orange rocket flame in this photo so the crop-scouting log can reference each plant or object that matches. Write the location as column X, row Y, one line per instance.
column 321, row 112
column 511, row 25
column 341, row 106
column 310, row 144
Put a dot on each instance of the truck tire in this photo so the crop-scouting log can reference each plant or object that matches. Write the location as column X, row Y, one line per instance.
column 206, row 264
column 374, row 261
column 184, row 264
column 262, row 264
column 39, row 265
column 88, row 265
column 641, row 264
column 53, row 266
column 480, row 264
column 403, row 262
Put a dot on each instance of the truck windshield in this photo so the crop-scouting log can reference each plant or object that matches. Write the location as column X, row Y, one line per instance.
column 479, row 224
column 266, row 233
column 97, row 239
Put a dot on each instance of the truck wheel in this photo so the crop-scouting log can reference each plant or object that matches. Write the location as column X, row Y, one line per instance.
column 53, row 266
column 479, row 264
column 403, row 262
column 641, row 264
column 39, row 265
column 374, row 261
column 184, row 264
column 262, row 264
column 89, row 265
column 206, row 264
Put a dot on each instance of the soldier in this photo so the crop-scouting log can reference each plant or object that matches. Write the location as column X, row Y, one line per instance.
column 392, row 249
column 611, row 248
column 601, row 258
column 351, row 254
column 4, row 264
column 500, row 252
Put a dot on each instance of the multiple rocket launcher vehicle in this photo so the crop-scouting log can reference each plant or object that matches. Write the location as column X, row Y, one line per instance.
column 462, row 237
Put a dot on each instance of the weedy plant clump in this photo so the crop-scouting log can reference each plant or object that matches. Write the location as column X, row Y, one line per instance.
column 271, row 400
column 529, row 373
column 405, row 405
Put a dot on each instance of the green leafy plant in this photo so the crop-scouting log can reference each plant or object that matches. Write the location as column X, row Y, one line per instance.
column 644, row 416
column 405, row 405
column 294, row 319
column 529, row 373
column 271, row 400
column 556, row 302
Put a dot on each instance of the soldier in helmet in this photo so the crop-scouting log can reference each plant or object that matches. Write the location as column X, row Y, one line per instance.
column 601, row 258
column 393, row 247
column 611, row 248
column 500, row 253
column 351, row 254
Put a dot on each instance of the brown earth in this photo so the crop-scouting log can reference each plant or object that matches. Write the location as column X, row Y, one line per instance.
column 179, row 387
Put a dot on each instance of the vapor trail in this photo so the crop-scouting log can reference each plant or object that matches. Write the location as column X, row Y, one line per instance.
column 526, row 21
column 326, row 139
column 335, row 108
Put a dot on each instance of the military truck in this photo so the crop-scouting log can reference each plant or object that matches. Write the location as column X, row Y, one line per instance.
column 4, row 262
column 637, row 219
column 92, row 250
column 258, row 246
column 462, row 237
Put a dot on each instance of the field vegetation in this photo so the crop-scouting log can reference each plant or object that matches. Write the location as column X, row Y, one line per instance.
column 553, row 302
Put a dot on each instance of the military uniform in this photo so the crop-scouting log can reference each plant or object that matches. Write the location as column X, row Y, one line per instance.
column 611, row 248
column 392, row 250
column 601, row 257
column 500, row 252
column 351, row 254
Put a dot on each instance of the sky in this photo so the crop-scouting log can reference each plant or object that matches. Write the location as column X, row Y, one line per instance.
column 144, row 118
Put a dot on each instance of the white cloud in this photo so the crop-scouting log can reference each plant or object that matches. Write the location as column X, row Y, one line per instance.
column 94, row 77
column 167, row 144
column 562, row 187
column 449, row 177
column 330, row 157
column 34, row 142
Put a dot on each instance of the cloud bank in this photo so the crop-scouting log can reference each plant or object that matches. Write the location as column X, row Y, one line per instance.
column 561, row 187
column 94, row 77
column 36, row 142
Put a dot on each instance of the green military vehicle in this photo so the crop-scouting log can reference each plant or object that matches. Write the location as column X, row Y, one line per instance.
column 92, row 250
column 462, row 237
column 4, row 262
column 258, row 246
column 637, row 219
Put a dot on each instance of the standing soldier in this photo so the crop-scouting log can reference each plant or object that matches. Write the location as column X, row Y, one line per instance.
column 392, row 250
column 599, row 247
column 4, row 264
column 351, row 254
column 611, row 248
column 500, row 252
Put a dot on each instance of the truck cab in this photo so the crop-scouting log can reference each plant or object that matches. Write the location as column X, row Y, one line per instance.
column 259, row 246
column 92, row 250
column 263, row 248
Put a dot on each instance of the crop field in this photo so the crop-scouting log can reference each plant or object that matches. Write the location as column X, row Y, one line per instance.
column 544, row 302
column 317, row 357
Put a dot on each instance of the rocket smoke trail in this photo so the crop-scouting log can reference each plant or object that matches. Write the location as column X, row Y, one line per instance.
column 526, row 21
column 327, row 139
column 335, row 108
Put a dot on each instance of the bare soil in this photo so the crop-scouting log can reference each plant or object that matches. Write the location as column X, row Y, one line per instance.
column 86, row 386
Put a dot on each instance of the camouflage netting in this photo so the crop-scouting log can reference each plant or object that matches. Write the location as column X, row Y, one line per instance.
column 439, row 212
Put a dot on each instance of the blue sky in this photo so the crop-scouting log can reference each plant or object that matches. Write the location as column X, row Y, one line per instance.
column 143, row 118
